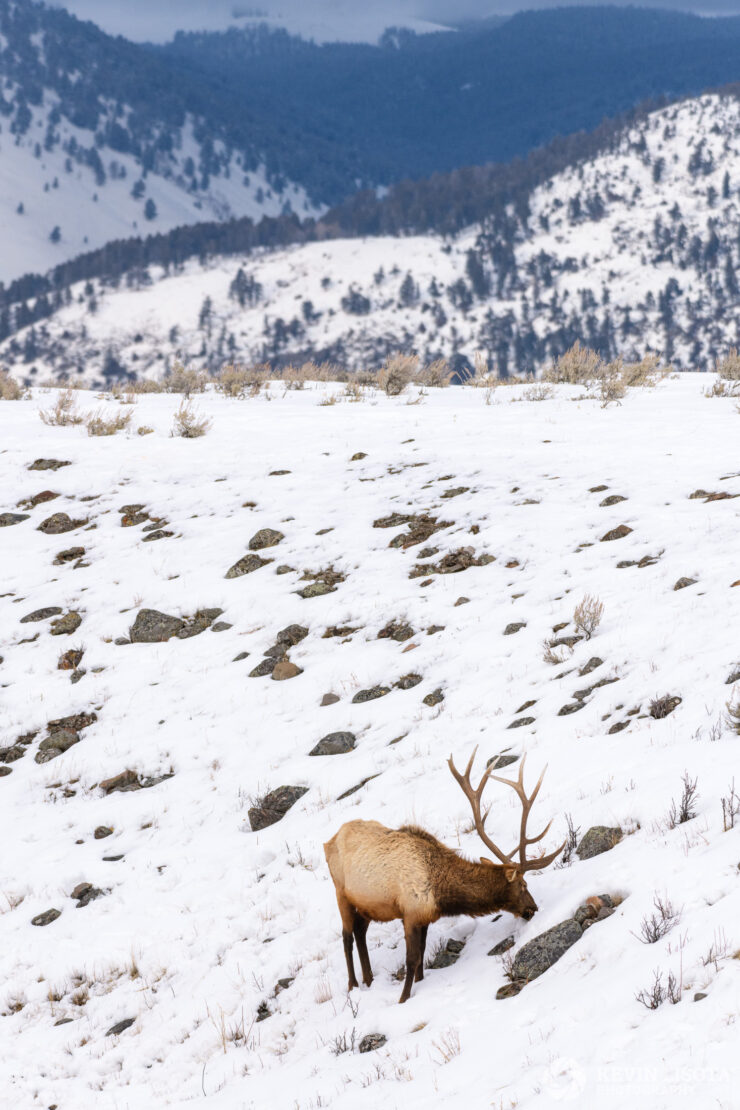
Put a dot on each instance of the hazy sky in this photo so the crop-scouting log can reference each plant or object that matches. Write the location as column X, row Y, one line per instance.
column 158, row 19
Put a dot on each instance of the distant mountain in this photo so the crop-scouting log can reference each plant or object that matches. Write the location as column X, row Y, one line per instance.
column 630, row 247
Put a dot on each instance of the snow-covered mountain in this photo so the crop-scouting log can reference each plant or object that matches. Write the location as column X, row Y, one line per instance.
column 635, row 249
column 158, row 951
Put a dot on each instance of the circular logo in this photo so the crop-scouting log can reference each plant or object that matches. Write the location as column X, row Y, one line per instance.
column 564, row 1079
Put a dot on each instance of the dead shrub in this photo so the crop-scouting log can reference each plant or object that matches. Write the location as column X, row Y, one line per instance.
column 98, row 424
column 235, row 381
column 185, row 381
column 646, row 372
column 436, row 375
column 723, row 388
column 610, row 383
column 188, row 424
column 64, row 413
column 147, row 385
column 733, row 716
column 396, row 374
column 577, row 366
column 728, row 367
column 685, row 809
column 660, row 922
column 657, row 994
column 10, row 389
column 587, row 615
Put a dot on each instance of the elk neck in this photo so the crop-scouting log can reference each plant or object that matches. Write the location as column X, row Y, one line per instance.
column 462, row 886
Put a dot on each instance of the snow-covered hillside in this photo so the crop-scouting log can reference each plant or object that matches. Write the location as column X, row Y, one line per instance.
column 636, row 249
column 60, row 200
column 215, row 950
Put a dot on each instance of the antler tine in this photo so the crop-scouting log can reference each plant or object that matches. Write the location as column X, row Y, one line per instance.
column 527, row 802
column 474, row 797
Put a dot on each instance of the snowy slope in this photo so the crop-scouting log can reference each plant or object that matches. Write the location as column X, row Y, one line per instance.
column 635, row 249
column 41, row 190
column 200, row 916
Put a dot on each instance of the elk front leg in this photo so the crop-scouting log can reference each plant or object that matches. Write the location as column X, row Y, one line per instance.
column 360, row 931
column 413, row 957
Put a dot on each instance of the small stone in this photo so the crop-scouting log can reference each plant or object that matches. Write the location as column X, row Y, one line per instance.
column 527, row 705
column 274, row 806
column 699, row 996
column 334, row 743
column 125, row 781
column 284, row 670
column 153, row 627
column 434, row 698
column 618, row 727
column 69, row 556
column 102, row 832
column 522, row 722
column 221, row 626
column 7, row 520
column 329, row 699
column 509, row 990
column 284, row 984
column 278, row 473
column 359, row 785
column 372, row 1041
column 284, row 569
column 49, row 464
column 242, row 655
column 462, row 601
column 682, row 583
column 616, row 533
column 66, row 625
column 46, row 917
column 502, row 760
column 246, row 565
column 157, row 534
column 449, row 955
column 292, row 635
column 434, row 629
column 39, row 499
column 60, row 740
column 597, row 489
column 41, row 614
column 400, row 631
column 565, row 710
column 358, row 455
column 598, row 839
column 408, row 681
column 316, row 589
column 4, row 771
column 265, row 667
column 613, row 499
column 371, row 694
column 120, row 1027
column 70, row 660
column 502, row 946
column 592, row 664
column 516, row 627
column 266, row 537
column 539, row 954
column 58, row 523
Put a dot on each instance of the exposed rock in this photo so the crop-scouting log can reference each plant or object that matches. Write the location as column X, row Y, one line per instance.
column 358, row 455
column 120, row 1027
column 448, row 955
column 573, row 707
column 516, row 627
column 733, row 677
column 153, row 627
column 285, row 669
column 58, row 523
column 266, row 537
column 354, row 789
column 645, row 561
column 84, row 893
column 46, row 917
column 8, row 519
column 274, row 806
column 509, row 990
column 527, row 705
column 246, row 566
column 371, row 694
column 613, row 499
column 522, row 722
column 462, row 601
column 592, row 664
column 12, row 754
column 537, row 955
column 102, row 832
column 502, row 946
column 263, row 1011
column 221, row 626
column 157, row 534
column 76, row 721
column 334, row 743
column 455, row 491
column 49, row 464
column 453, row 563
column 41, row 614
column 316, row 589
column 69, row 556
column 278, row 473
column 682, row 583
column 265, row 667
column 242, row 655
column 284, row 569
column 393, row 521
column 329, row 699
column 126, row 780
column 61, row 740
column 435, row 628
column 618, row 727
column 408, row 681
column 39, row 499
column 342, row 630
column 400, row 631
column 434, row 698
column 420, row 528
column 597, row 489
column 565, row 641
column 66, row 625
column 4, row 771
column 598, row 839
column 292, row 635
column 503, row 759
column 284, row 984
column 198, row 623
column 661, row 707
column 372, row 1041
column 616, row 533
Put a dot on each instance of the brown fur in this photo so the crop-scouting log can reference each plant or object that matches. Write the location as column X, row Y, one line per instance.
column 382, row 874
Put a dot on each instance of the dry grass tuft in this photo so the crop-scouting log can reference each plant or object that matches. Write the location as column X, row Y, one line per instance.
column 10, row 390
column 399, row 370
column 728, row 367
column 587, row 615
column 187, row 424
column 98, row 424
column 64, row 413
column 182, row 380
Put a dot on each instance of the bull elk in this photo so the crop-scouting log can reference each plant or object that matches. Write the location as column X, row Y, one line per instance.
column 382, row 874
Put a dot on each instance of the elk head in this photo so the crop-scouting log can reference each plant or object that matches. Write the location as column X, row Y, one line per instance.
column 518, row 899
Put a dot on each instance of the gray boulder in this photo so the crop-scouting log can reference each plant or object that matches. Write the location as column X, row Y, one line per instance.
column 335, row 743
column 543, row 951
column 153, row 627
column 598, row 839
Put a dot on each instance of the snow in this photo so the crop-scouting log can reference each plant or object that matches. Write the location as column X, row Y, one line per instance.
column 201, row 915
column 613, row 260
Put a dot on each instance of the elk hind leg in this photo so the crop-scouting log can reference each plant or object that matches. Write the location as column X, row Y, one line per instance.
column 348, row 919
column 413, row 957
column 360, row 930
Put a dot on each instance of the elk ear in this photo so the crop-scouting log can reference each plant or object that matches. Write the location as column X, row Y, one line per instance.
column 511, row 874
column 488, row 861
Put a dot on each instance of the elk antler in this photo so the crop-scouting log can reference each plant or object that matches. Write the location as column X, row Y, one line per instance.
column 474, row 797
